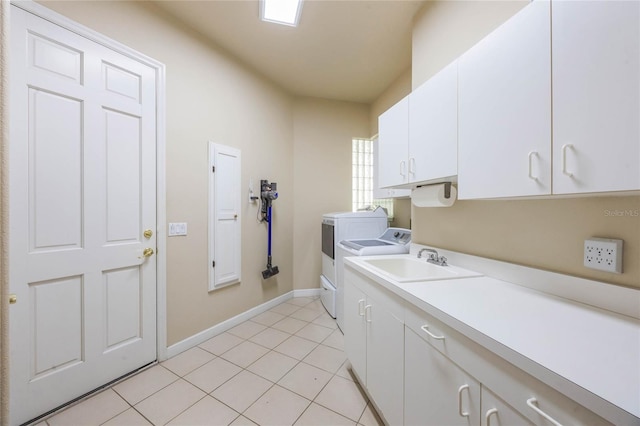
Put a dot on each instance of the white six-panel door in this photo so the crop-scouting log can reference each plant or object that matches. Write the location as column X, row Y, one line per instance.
column 83, row 191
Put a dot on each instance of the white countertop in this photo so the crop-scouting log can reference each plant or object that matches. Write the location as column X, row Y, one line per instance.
column 592, row 349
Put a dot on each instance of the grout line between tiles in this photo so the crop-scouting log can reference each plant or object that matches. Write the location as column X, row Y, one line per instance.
column 316, row 344
column 119, row 396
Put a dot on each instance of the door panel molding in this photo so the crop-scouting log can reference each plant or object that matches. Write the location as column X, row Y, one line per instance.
column 123, row 97
column 161, row 201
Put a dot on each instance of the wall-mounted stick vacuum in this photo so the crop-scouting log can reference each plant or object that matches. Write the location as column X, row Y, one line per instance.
column 268, row 193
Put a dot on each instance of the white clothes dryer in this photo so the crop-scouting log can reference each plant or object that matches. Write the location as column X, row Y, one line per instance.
column 341, row 226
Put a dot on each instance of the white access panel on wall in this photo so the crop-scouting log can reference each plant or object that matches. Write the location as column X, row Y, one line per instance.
column 224, row 216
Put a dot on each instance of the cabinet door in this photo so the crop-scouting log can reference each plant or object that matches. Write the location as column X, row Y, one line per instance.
column 355, row 330
column 393, row 133
column 504, row 117
column 380, row 193
column 496, row 412
column 385, row 360
column 596, row 96
column 436, row 390
column 433, row 127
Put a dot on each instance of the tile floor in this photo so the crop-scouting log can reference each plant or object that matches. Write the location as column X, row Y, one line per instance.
column 282, row 367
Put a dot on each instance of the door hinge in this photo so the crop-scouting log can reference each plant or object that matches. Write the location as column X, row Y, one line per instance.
column 213, row 169
column 213, row 264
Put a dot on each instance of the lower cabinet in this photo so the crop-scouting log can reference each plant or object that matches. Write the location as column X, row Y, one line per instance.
column 437, row 392
column 498, row 393
column 374, row 343
column 355, row 329
column 496, row 412
column 419, row 371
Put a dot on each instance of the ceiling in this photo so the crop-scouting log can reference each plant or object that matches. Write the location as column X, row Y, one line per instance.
column 349, row 50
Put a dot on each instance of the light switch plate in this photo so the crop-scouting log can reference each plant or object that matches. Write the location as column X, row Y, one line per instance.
column 177, row 229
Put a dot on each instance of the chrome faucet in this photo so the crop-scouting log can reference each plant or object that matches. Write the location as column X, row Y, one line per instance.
column 433, row 257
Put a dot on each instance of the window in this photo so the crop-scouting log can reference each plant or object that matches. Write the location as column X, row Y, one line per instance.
column 362, row 178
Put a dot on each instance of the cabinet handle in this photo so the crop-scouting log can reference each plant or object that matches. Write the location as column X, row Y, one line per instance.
column 564, row 159
column 425, row 328
column 412, row 166
column 460, row 389
column 367, row 313
column 490, row 413
column 531, row 155
column 361, row 307
column 531, row 403
column 403, row 164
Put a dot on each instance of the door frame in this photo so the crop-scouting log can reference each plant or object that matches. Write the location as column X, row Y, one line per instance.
column 161, row 234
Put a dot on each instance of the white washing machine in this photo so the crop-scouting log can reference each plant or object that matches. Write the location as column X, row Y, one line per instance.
column 392, row 241
column 341, row 226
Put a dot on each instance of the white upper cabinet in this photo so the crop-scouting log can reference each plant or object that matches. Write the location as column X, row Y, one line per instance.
column 433, row 127
column 530, row 110
column 393, row 133
column 378, row 192
column 504, row 139
column 596, row 96
column 419, row 135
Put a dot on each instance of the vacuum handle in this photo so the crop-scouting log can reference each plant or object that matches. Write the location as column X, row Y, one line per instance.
column 269, row 233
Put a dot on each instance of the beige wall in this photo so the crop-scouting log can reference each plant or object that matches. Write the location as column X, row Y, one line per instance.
column 397, row 90
column 209, row 97
column 443, row 30
column 302, row 144
column 547, row 234
column 323, row 131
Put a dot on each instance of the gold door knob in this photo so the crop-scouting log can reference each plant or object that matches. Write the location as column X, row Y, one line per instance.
column 148, row 233
column 13, row 299
column 147, row 252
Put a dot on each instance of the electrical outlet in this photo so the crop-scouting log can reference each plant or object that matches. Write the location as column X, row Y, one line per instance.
column 604, row 254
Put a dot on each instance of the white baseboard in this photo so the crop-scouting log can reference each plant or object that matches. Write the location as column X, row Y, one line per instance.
column 307, row 292
column 207, row 334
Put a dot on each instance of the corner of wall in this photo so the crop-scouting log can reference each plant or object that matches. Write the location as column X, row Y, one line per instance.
column 397, row 90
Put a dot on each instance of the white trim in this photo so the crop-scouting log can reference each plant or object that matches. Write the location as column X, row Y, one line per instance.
column 161, row 242
column 207, row 334
column 86, row 32
column 161, row 215
column 307, row 292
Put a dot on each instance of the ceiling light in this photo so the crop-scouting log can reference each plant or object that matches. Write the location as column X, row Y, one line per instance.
column 285, row 12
